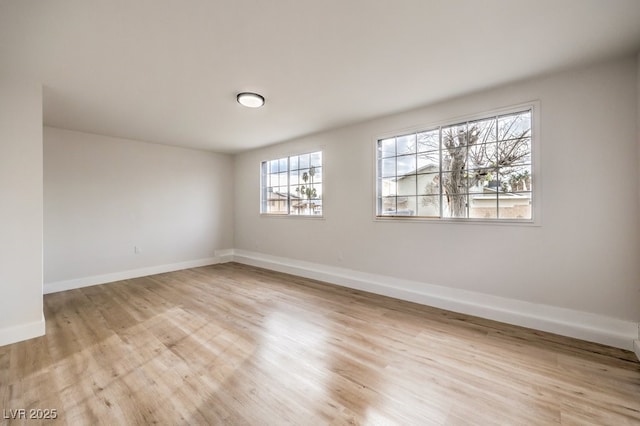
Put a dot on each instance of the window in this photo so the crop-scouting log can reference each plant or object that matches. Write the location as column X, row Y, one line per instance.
column 476, row 169
column 292, row 185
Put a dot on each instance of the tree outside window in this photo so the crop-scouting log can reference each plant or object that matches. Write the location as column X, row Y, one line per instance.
column 479, row 169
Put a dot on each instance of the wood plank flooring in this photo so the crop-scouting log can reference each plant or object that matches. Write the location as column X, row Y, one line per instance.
column 233, row 344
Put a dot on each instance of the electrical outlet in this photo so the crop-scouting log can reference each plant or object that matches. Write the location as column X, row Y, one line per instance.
column 136, row 250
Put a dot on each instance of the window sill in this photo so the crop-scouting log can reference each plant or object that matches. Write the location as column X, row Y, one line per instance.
column 497, row 222
column 291, row 216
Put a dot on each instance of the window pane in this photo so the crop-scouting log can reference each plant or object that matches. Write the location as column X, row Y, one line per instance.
column 429, row 184
column 514, row 126
column 387, row 186
column 317, row 208
column 515, row 179
column 307, row 176
column 485, row 130
column 303, row 161
column 313, row 173
column 387, row 148
column 482, row 156
column 307, row 191
column 304, row 207
column 282, row 178
column 316, row 159
column 429, row 206
column 318, row 176
column 278, row 207
column 300, row 207
column 406, row 144
column 405, row 206
column 294, row 177
column 454, row 159
column 388, row 167
column 407, row 185
column 296, row 208
column 480, row 180
column 272, row 193
column 514, row 205
column 454, row 136
column 514, row 151
column 273, row 166
column 293, row 162
column 406, row 164
column 388, row 205
column 276, row 201
column 296, row 195
column 455, row 206
column 317, row 191
column 428, row 161
column 454, row 183
column 483, row 205
column 429, row 140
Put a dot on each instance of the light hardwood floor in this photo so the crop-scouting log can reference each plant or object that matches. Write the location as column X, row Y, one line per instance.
column 232, row 344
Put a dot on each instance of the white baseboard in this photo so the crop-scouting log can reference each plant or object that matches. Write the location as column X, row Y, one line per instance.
column 22, row 332
column 567, row 322
column 224, row 256
column 54, row 287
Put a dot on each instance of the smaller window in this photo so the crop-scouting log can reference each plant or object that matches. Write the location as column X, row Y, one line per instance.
column 292, row 185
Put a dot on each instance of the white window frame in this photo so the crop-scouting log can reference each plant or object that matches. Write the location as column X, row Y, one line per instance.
column 264, row 186
column 536, row 178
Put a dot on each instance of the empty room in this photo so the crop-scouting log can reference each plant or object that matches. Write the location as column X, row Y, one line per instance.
column 330, row 212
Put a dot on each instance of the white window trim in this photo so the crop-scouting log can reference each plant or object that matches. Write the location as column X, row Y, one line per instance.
column 536, row 195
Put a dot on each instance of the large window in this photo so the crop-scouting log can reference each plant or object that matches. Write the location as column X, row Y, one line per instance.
column 476, row 169
column 292, row 185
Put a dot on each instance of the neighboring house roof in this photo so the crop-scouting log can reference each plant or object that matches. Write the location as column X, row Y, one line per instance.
column 280, row 195
column 424, row 169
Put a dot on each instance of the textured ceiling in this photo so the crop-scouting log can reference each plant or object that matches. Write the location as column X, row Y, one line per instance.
column 168, row 71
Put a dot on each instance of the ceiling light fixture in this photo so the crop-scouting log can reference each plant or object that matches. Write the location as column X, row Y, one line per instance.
column 251, row 100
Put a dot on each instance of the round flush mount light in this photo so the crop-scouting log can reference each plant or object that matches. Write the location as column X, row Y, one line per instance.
column 251, row 100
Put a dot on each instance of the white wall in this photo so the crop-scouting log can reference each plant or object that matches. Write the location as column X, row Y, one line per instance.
column 583, row 258
column 103, row 196
column 20, row 210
